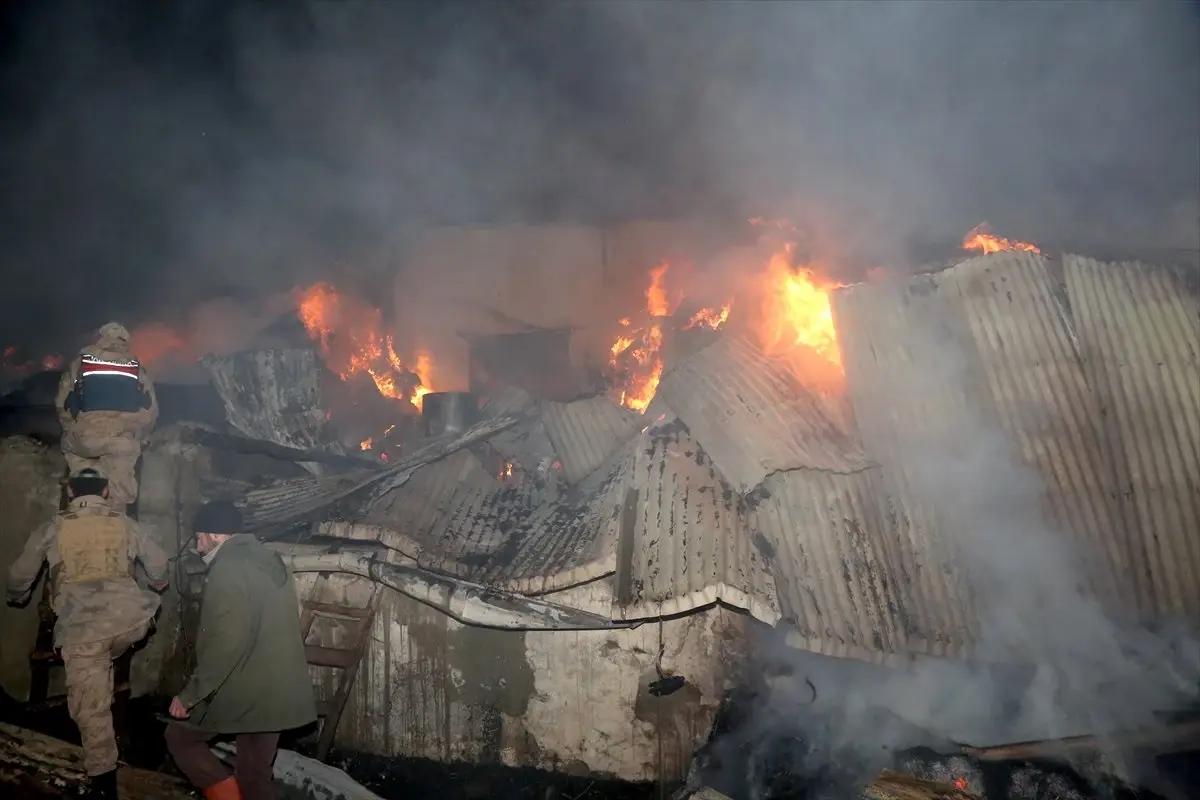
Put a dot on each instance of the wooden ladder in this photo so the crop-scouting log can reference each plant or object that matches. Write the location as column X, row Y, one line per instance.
column 357, row 623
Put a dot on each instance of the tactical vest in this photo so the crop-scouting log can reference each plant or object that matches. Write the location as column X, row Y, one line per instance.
column 109, row 384
column 93, row 547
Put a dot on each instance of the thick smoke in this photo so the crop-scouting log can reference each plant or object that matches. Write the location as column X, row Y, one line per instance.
column 154, row 154
column 1051, row 660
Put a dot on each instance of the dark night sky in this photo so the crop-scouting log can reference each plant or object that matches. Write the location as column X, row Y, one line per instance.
column 153, row 154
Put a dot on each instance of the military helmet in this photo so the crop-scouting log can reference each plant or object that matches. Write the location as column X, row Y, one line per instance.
column 88, row 473
column 114, row 330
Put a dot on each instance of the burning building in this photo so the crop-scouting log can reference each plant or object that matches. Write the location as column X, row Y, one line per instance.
column 637, row 469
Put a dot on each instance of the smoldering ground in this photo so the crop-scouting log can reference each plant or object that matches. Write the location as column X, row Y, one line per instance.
column 155, row 154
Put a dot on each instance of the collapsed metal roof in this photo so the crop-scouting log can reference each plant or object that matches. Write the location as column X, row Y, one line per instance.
column 741, row 486
column 752, row 416
column 686, row 545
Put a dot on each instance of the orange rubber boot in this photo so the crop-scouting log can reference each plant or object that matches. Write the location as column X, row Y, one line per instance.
column 225, row 790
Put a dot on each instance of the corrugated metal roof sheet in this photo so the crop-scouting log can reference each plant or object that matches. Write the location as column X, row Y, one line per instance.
column 507, row 535
column 1139, row 329
column 1032, row 365
column 274, row 395
column 587, row 432
column 751, row 415
column 689, row 548
column 833, row 567
column 294, row 501
column 886, row 331
column 415, row 508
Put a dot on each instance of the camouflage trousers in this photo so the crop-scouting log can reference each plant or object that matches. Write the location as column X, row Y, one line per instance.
column 121, row 471
column 89, row 671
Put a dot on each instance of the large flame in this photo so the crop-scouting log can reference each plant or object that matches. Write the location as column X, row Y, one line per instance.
column 353, row 341
column 980, row 238
column 636, row 353
column 796, row 308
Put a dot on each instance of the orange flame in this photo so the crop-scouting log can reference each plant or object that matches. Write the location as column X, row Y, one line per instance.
column 710, row 318
column 366, row 444
column 353, row 341
column 796, row 308
column 960, row 784
column 636, row 355
column 11, row 362
column 980, row 238
column 153, row 342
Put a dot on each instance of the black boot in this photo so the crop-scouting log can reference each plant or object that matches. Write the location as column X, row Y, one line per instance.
column 103, row 787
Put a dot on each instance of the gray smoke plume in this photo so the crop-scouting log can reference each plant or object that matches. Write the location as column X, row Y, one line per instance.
column 154, row 154
column 1051, row 659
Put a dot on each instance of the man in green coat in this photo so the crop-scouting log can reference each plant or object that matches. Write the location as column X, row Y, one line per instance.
column 251, row 679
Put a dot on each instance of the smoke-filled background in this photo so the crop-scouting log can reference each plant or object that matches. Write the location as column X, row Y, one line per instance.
column 153, row 155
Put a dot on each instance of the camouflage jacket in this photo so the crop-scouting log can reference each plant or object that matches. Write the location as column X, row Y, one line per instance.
column 94, row 610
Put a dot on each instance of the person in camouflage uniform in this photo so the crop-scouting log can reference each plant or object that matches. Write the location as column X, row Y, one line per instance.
column 107, row 406
column 101, row 610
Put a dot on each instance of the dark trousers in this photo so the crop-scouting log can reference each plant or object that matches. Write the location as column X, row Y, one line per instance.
column 252, row 767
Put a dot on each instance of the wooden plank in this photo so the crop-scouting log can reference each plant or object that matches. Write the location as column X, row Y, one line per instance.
column 362, row 635
column 33, row 761
column 334, row 657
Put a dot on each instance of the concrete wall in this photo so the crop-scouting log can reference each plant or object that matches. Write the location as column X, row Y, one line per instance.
column 29, row 496
column 570, row 701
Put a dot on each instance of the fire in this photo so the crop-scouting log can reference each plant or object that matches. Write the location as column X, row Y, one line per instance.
column 152, row 342
column 960, row 784
column 506, row 471
column 636, row 354
column 796, row 308
column 980, row 238
column 366, row 444
column 710, row 318
column 353, row 341
column 12, row 362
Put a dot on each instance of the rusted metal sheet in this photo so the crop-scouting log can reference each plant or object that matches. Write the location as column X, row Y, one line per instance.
column 895, row 339
column 751, row 415
column 838, row 585
column 587, row 432
column 274, row 395
column 689, row 548
column 1139, row 330
column 1031, row 361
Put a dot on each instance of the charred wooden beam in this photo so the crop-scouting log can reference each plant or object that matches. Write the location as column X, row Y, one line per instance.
column 1174, row 738
column 33, row 761
column 247, row 446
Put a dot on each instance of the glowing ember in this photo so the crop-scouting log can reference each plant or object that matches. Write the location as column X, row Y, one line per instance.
column 981, row 239
column 366, row 444
column 960, row 784
column 353, row 341
column 796, row 309
column 506, row 471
